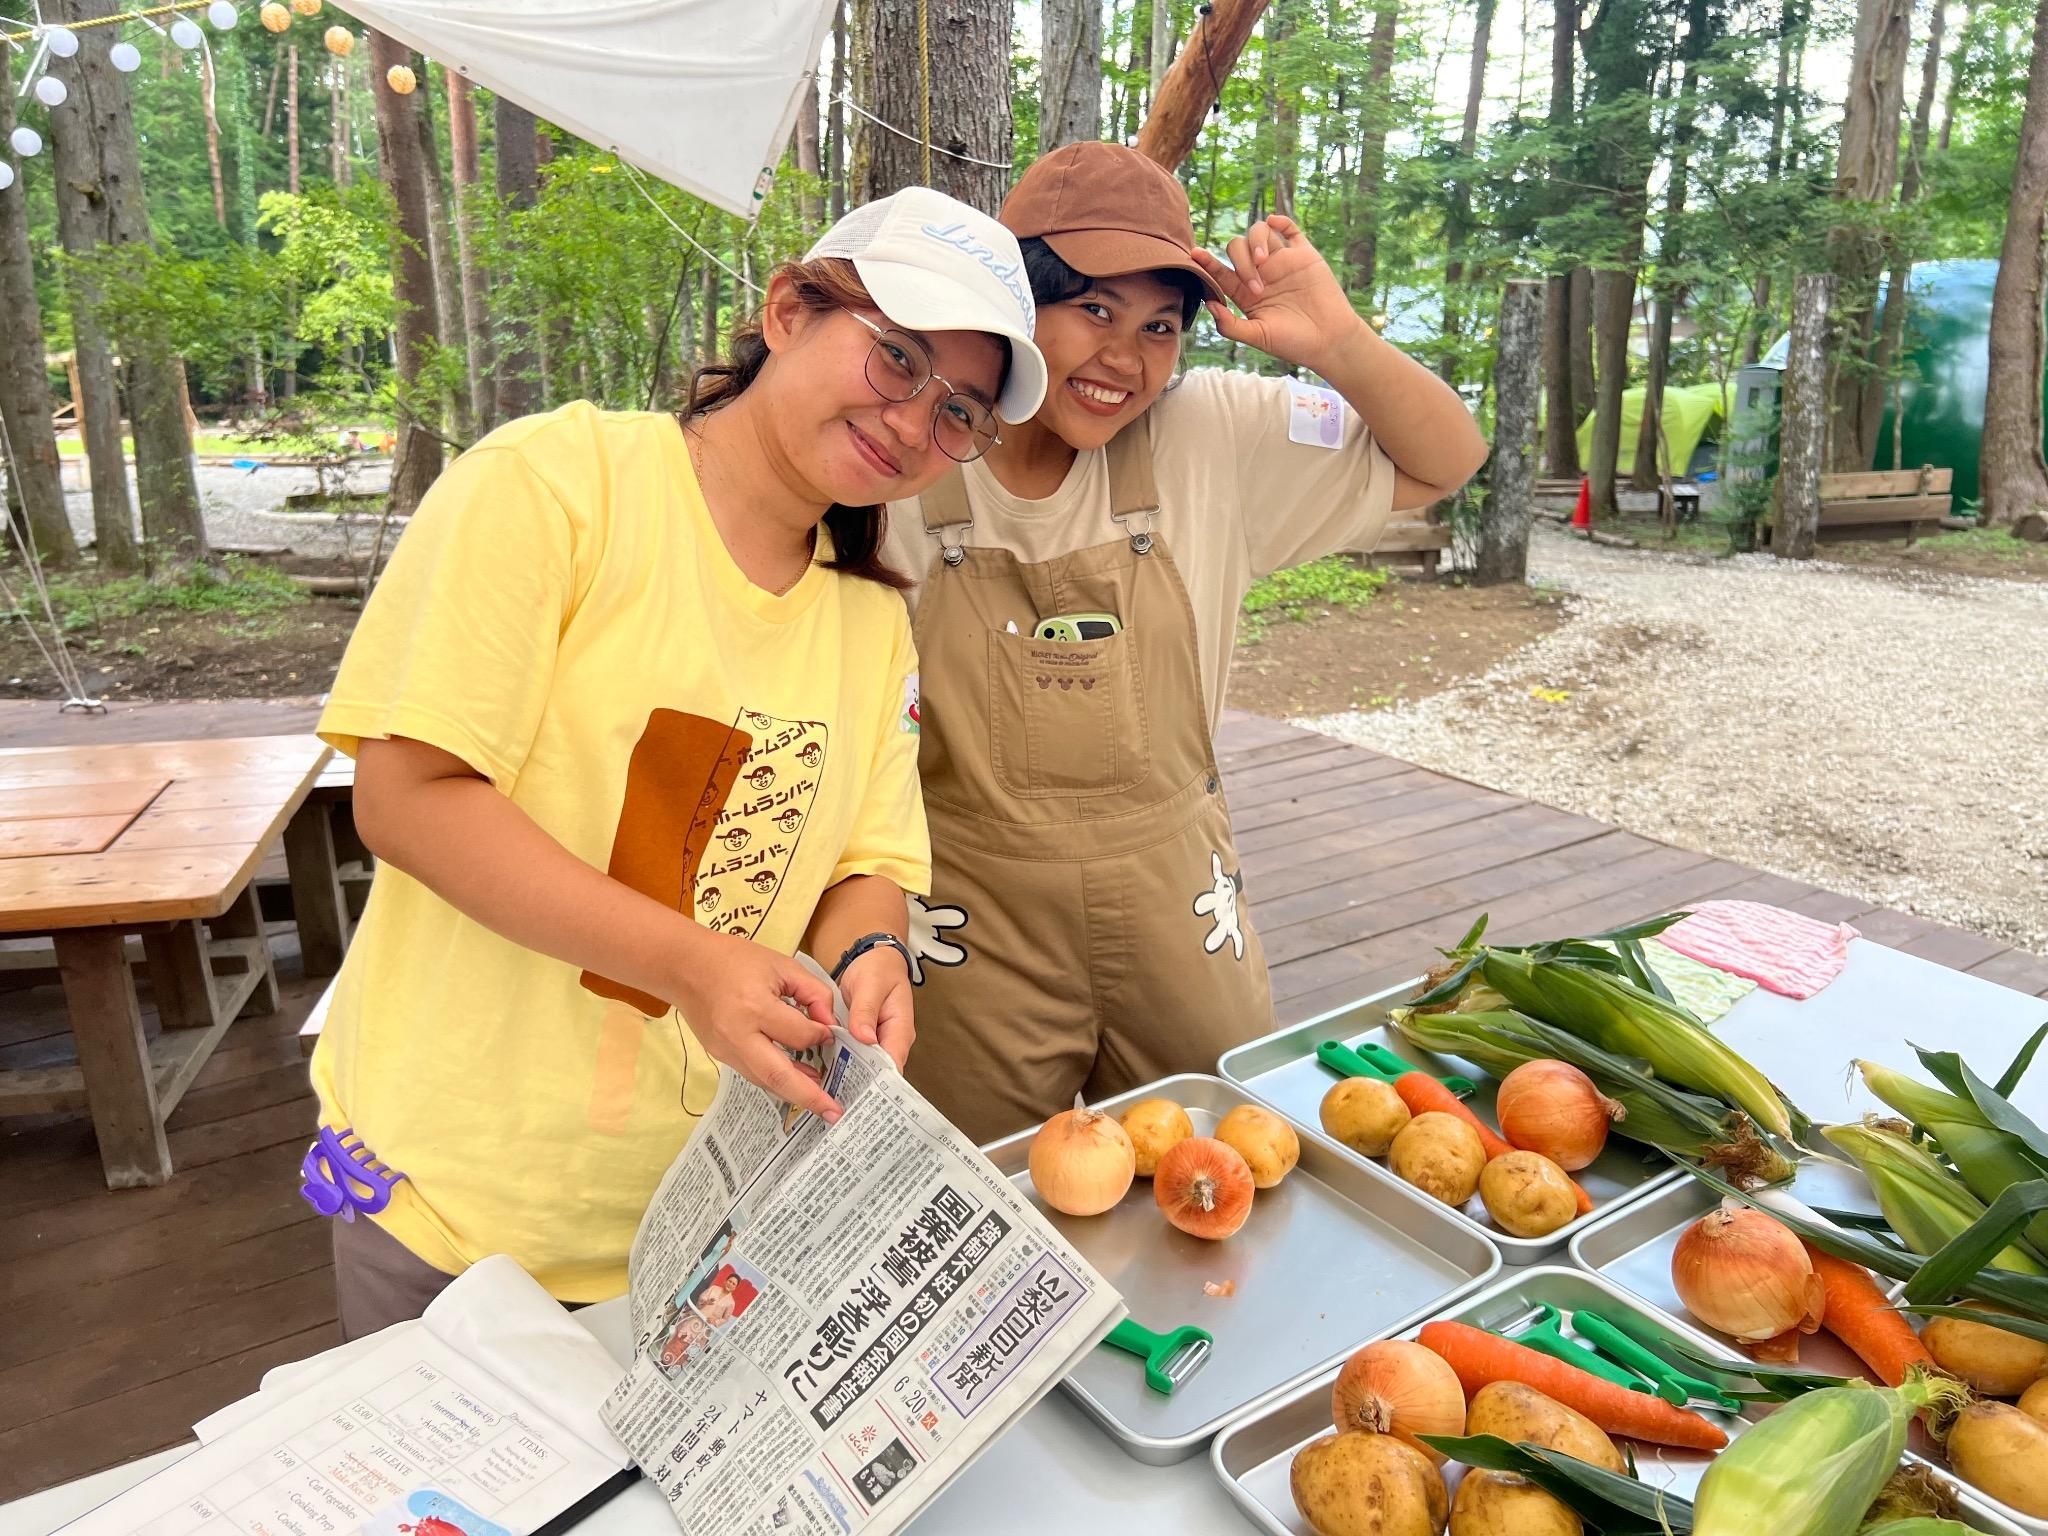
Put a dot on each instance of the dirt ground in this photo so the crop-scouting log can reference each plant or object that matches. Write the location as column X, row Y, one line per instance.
column 1411, row 641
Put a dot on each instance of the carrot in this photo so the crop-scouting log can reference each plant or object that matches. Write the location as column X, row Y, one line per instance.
column 1856, row 1312
column 1480, row 1357
column 1423, row 1093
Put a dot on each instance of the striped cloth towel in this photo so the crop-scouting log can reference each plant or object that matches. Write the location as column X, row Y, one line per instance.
column 1789, row 953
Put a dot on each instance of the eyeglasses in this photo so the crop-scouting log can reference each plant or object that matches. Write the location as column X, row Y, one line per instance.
column 898, row 368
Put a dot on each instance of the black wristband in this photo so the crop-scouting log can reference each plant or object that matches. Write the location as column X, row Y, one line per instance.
column 866, row 942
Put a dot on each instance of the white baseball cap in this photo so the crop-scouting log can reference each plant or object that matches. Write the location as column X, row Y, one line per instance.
column 931, row 263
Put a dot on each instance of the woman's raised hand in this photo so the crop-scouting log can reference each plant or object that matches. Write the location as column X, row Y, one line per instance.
column 1292, row 305
column 736, row 995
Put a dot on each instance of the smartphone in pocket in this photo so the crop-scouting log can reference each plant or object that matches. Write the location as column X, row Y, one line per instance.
column 1078, row 626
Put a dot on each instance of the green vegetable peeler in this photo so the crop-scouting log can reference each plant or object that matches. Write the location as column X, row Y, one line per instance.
column 1632, row 1348
column 1170, row 1358
column 1368, row 1058
column 1546, row 1337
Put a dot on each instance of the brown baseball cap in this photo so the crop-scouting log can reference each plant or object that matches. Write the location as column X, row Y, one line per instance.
column 1106, row 211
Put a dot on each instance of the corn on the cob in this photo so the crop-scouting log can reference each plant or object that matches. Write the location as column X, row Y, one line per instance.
column 1628, row 1021
column 1990, row 1160
column 1922, row 1201
column 1815, row 1465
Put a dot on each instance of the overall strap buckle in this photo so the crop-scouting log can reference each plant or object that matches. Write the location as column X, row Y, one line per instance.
column 952, row 543
column 1137, row 527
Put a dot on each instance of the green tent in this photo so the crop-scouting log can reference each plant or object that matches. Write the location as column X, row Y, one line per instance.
column 1689, row 411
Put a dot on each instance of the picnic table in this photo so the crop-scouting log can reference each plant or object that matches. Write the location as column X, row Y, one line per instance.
column 158, row 841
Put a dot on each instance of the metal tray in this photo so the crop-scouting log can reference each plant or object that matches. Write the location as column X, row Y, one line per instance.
column 1328, row 1253
column 1281, row 1068
column 1253, row 1456
column 1632, row 1249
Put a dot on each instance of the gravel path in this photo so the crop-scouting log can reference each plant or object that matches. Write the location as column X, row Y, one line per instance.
column 235, row 500
column 1882, row 736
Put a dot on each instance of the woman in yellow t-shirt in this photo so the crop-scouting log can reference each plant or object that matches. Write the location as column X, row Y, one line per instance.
column 634, row 715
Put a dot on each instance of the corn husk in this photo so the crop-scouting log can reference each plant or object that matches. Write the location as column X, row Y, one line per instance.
column 1922, row 1201
column 1989, row 1160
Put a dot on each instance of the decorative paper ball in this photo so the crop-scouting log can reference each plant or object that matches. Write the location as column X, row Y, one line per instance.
column 186, row 34
column 125, row 57
column 306, row 7
column 340, row 41
column 275, row 18
column 27, row 142
column 222, row 15
column 400, row 79
column 51, row 91
column 62, row 40
column 6, row 175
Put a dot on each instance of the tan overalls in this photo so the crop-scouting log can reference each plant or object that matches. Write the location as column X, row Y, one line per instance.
column 1087, row 930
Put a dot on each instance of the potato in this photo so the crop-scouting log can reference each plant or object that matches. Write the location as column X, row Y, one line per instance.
column 1517, row 1413
column 1440, row 1155
column 1996, row 1363
column 1365, row 1114
column 1361, row 1484
column 2035, row 1400
column 1502, row 1504
column 2002, row 1452
column 1265, row 1141
column 1155, row 1127
column 1527, row 1194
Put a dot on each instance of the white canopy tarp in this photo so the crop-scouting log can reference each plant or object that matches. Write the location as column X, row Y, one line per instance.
column 702, row 93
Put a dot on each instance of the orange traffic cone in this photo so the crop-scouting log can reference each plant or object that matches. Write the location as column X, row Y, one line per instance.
column 1582, row 514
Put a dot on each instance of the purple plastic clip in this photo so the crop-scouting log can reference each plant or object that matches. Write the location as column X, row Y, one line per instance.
column 341, row 1179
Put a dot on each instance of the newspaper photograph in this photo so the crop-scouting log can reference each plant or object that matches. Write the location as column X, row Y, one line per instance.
column 830, row 1322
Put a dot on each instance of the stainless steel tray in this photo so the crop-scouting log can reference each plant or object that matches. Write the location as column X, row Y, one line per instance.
column 1331, row 1252
column 1252, row 1456
column 1632, row 1250
column 1282, row 1069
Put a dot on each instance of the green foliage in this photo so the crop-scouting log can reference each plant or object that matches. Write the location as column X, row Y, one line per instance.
column 245, row 591
column 1304, row 591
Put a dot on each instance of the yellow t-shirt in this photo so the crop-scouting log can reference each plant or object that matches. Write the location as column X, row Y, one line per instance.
column 563, row 616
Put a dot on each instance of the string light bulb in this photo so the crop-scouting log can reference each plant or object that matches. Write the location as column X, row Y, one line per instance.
column 222, row 15
column 186, row 34
column 125, row 57
column 401, row 80
column 275, row 17
column 62, row 41
column 26, row 141
column 306, row 7
column 340, row 42
column 51, row 91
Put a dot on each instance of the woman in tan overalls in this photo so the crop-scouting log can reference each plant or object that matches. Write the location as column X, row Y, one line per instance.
column 1087, row 928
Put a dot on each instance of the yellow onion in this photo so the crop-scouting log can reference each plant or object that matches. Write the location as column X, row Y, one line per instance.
column 1553, row 1108
column 1396, row 1387
column 1082, row 1161
column 1741, row 1272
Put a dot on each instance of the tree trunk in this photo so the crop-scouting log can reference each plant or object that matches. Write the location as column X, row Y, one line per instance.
column 1160, row 55
column 1070, row 53
column 106, row 164
column 449, row 318
column 707, row 318
column 806, row 148
column 291, row 118
column 1865, row 177
column 963, row 98
column 276, row 80
column 1803, row 433
column 1614, row 293
column 1898, row 300
column 1670, row 253
column 1517, row 385
column 1581, row 320
column 835, row 120
column 207, row 86
column 1760, row 302
column 476, row 321
column 2013, row 475
column 1192, row 86
column 1561, row 418
column 416, row 462
column 1955, row 70
column 517, row 372
column 1283, row 97
column 338, row 108
column 34, row 473
column 1458, row 227
column 1375, row 115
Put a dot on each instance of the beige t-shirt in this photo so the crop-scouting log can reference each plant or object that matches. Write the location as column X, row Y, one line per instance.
column 1254, row 475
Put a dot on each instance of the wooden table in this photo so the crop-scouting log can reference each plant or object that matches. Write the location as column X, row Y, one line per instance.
column 159, row 840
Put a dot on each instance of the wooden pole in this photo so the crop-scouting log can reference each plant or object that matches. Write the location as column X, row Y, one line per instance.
column 1804, row 435
column 1517, row 386
column 1195, row 82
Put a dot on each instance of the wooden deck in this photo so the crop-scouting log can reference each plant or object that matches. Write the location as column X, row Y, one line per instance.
column 124, row 1317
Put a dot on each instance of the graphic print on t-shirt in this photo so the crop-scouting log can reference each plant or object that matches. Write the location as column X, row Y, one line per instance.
column 712, row 815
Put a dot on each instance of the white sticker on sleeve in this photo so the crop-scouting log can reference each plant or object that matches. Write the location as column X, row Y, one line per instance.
column 1315, row 416
column 909, row 720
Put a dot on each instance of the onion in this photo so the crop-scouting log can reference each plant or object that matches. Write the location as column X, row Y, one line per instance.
column 1741, row 1272
column 1397, row 1387
column 1082, row 1161
column 1553, row 1108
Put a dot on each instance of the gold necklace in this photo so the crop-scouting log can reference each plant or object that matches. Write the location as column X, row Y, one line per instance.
column 810, row 554
column 699, row 461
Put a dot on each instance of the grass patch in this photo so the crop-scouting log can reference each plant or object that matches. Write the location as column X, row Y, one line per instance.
column 1986, row 543
column 1307, row 591
column 246, row 591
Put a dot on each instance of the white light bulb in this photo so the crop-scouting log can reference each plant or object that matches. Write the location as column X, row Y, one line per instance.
column 125, row 57
column 50, row 91
column 186, row 34
column 6, row 175
column 27, row 142
column 62, row 40
column 222, row 15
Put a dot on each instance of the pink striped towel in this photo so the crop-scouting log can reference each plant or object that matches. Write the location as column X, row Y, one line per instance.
column 1785, row 951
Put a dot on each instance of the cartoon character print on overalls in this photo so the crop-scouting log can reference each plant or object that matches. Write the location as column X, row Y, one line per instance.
column 1077, row 813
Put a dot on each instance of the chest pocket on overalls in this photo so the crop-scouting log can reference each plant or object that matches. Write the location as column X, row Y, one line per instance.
column 1066, row 718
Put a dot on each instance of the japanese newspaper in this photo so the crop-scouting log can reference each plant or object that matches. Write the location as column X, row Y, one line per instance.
column 830, row 1322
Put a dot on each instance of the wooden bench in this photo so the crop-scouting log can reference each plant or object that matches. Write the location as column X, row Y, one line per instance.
column 1880, row 503
column 1422, row 540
